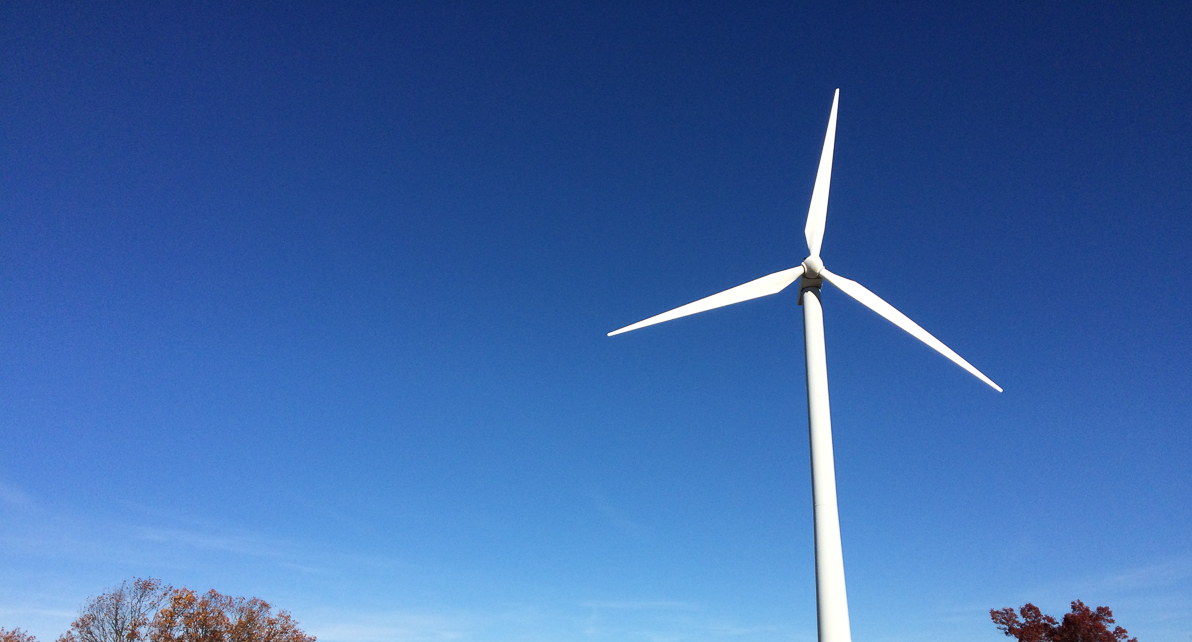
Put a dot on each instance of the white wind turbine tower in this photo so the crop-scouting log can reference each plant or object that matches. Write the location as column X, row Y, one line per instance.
column 831, row 600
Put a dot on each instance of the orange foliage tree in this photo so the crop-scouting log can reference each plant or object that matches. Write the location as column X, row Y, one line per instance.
column 1081, row 625
column 145, row 610
column 15, row 635
column 120, row 615
column 189, row 617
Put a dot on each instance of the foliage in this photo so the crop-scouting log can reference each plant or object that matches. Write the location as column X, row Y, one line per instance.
column 145, row 610
column 120, row 615
column 221, row 618
column 15, row 635
column 1081, row 625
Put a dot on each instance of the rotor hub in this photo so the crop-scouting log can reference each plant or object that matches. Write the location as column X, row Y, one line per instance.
column 812, row 266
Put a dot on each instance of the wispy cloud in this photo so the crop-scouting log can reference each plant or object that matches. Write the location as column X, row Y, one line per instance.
column 390, row 627
column 14, row 497
column 240, row 543
column 1121, row 582
column 666, row 621
column 594, row 620
column 643, row 605
column 617, row 517
column 1152, row 600
column 18, row 613
column 138, row 541
column 1165, row 573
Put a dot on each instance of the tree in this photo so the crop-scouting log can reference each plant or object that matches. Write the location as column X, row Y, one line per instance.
column 121, row 614
column 145, row 610
column 189, row 617
column 1081, row 625
column 15, row 635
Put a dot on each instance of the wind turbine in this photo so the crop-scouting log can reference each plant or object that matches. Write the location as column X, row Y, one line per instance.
column 831, row 600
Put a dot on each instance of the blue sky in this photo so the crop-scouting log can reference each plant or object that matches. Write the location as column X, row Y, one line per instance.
column 310, row 302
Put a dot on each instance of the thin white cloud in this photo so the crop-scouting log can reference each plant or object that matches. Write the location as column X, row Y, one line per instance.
column 240, row 543
column 1121, row 582
column 13, row 496
column 1165, row 573
column 595, row 621
column 11, row 612
column 617, row 517
column 394, row 626
column 667, row 621
column 643, row 605
column 140, row 542
column 1152, row 601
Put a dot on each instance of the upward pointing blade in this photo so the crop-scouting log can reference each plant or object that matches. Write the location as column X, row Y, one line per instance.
column 817, row 214
column 765, row 286
column 875, row 303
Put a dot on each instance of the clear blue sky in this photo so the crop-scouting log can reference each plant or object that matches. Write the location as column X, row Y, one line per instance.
column 310, row 303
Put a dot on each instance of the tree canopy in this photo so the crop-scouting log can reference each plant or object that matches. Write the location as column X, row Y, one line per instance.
column 189, row 617
column 145, row 610
column 15, row 635
column 1081, row 625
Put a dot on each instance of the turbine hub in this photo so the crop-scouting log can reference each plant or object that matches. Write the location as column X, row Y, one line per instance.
column 812, row 266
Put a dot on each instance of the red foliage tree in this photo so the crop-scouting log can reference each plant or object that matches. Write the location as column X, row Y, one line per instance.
column 1081, row 625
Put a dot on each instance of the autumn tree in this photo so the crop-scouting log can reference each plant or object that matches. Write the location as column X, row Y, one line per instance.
column 1081, row 625
column 120, row 615
column 148, row 611
column 15, row 635
column 212, row 617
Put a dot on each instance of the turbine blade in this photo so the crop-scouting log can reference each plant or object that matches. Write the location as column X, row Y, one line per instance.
column 765, row 286
column 875, row 303
column 817, row 214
